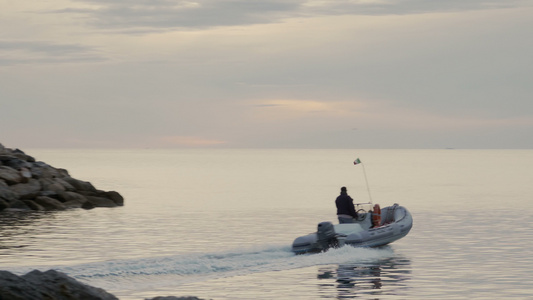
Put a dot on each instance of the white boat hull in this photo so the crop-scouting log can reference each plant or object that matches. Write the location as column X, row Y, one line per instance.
column 395, row 224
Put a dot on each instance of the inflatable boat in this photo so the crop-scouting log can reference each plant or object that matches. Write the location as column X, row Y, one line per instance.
column 374, row 228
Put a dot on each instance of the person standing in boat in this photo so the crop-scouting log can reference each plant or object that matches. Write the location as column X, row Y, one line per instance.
column 345, row 208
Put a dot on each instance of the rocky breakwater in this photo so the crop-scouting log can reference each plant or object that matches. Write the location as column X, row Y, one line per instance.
column 27, row 184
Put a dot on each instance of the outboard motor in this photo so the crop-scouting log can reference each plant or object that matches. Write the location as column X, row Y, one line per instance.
column 326, row 235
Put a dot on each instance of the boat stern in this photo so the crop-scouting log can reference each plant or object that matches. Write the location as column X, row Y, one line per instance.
column 306, row 244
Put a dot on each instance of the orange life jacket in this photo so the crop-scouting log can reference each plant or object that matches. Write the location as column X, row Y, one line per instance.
column 376, row 216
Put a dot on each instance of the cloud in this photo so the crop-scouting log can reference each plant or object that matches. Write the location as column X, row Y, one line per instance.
column 402, row 7
column 297, row 108
column 168, row 14
column 136, row 16
column 29, row 52
column 402, row 72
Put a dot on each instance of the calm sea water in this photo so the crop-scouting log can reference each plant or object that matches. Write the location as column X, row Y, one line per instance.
column 218, row 224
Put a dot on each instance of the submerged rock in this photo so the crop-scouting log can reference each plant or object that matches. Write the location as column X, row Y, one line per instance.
column 27, row 184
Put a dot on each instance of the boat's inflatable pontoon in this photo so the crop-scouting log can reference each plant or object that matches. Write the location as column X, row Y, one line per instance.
column 372, row 229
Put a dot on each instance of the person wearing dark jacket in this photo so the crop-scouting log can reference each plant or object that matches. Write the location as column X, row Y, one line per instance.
column 345, row 208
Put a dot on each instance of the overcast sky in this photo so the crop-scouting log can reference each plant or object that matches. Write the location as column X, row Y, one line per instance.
column 276, row 73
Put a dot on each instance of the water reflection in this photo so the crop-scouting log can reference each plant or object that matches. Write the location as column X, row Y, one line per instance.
column 383, row 277
column 17, row 228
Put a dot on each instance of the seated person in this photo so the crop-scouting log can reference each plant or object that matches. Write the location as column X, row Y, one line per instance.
column 345, row 208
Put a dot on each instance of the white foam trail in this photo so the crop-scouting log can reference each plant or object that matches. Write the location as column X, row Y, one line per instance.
column 158, row 272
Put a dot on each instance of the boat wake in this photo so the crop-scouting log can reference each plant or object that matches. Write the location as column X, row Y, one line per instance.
column 172, row 271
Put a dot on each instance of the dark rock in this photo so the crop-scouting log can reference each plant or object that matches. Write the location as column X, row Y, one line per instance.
column 34, row 206
column 66, row 185
column 10, row 175
column 19, row 204
column 62, row 172
column 25, row 157
column 14, row 162
column 26, row 183
column 113, row 196
column 87, row 205
column 80, row 185
column 116, row 197
column 42, row 170
column 49, row 184
column 50, row 194
column 49, row 203
column 13, row 287
column 71, row 196
column 7, row 194
column 26, row 174
column 3, row 205
column 73, row 200
column 27, row 190
column 51, row 284
column 175, row 298
column 90, row 193
column 74, row 204
column 100, row 201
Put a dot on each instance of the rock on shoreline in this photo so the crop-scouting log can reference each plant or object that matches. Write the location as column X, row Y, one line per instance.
column 37, row 285
column 47, row 285
column 27, row 184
